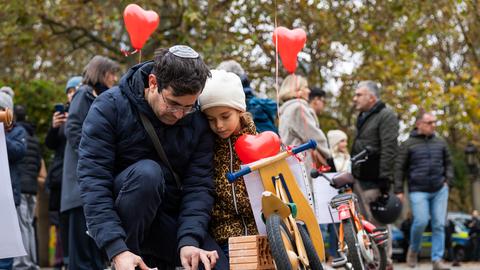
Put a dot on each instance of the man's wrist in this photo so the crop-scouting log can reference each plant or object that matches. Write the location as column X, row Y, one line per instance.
column 115, row 247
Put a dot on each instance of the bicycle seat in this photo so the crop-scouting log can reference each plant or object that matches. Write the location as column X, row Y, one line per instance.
column 342, row 179
column 341, row 198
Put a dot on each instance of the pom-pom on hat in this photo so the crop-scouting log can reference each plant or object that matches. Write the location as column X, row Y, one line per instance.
column 223, row 89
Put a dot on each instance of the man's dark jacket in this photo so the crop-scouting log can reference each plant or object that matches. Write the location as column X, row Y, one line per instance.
column 31, row 163
column 378, row 129
column 113, row 138
column 425, row 161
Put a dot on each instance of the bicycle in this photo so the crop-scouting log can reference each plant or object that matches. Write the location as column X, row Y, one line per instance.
column 293, row 233
column 363, row 243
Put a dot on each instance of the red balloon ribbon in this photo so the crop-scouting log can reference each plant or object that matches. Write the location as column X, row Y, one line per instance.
column 140, row 24
column 290, row 43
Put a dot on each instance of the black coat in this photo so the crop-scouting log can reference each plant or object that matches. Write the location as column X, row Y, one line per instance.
column 55, row 140
column 377, row 129
column 32, row 162
column 425, row 161
column 113, row 138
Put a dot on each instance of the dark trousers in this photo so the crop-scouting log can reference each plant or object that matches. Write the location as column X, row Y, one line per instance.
column 151, row 232
column 83, row 253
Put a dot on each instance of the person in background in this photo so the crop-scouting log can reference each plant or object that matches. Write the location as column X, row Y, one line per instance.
column 99, row 75
column 263, row 110
column 30, row 169
column 15, row 137
column 316, row 100
column 377, row 128
column 223, row 102
column 338, row 142
column 424, row 159
column 474, row 234
column 298, row 122
column 55, row 140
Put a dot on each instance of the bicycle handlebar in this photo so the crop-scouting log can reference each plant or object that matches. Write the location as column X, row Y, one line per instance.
column 232, row 176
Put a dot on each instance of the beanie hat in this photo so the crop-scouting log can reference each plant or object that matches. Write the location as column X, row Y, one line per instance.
column 335, row 136
column 73, row 82
column 8, row 90
column 6, row 101
column 223, row 89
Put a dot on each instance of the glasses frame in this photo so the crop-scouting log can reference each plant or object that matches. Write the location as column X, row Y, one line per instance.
column 177, row 108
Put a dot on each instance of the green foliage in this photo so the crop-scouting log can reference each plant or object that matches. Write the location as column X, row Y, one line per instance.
column 38, row 97
column 424, row 53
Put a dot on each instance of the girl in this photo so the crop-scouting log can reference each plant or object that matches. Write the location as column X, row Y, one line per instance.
column 338, row 146
column 223, row 102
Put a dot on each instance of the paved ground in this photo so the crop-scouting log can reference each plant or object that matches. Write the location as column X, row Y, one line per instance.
column 402, row 266
column 428, row 266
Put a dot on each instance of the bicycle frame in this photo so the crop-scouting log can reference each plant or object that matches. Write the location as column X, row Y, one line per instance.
column 278, row 179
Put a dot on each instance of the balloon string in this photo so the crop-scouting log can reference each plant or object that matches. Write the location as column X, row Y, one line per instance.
column 276, row 62
column 127, row 53
column 139, row 56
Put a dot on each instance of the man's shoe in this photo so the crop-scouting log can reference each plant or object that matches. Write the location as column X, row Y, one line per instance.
column 439, row 265
column 412, row 258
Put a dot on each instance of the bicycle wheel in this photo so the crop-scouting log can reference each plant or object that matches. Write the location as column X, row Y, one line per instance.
column 280, row 242
column 354, row 254
column 379, row 256
column 312, row 255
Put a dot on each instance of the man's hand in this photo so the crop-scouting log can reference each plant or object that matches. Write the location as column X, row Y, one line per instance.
column 128, row 261
column 400, row 196
column 59, row 119
column 190, row 256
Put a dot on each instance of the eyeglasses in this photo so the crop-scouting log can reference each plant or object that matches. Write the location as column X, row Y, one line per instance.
column 429, row 122
column 177, row 108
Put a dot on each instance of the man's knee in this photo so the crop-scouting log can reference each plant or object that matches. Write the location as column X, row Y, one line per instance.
column 420, row 222
column 145, row 176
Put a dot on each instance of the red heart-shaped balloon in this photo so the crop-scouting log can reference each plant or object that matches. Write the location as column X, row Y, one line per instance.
column 290, row 43
column 251, row 148
column 140, row 24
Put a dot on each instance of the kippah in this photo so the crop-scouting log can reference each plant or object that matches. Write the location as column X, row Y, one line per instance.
column 183, row 51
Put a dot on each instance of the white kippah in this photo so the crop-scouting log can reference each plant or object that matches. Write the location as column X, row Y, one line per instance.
column 223, row 89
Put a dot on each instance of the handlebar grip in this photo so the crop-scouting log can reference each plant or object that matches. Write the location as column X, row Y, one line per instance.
column 311, row 144
column 233, row 176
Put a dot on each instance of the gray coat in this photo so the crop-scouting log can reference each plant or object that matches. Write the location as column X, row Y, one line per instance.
column 81, row 102
column 299, row 123
column 378, row 129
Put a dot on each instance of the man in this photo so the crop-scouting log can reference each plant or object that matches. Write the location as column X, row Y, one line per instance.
column 425, row 161
column 316, row 100
column 134, row 204
column 377, row 128
column 263, row 110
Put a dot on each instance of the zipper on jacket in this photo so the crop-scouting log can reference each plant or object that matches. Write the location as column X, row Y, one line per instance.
column 233, row 187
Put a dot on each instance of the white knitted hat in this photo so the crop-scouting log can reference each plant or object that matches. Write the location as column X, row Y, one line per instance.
column 223, row 89
column 335, row 136
column 6, row 101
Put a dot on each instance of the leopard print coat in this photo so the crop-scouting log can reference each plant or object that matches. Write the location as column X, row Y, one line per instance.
column 232, row 215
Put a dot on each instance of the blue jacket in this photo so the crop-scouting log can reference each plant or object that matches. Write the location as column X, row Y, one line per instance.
column 16, row 149
column 425, row 161
column 113, row 138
